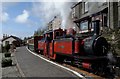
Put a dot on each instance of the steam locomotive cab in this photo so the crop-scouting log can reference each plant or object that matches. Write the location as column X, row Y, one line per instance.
column 46, row 45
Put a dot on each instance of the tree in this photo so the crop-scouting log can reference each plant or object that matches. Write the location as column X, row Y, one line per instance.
column 36, row 33
column 39, row 32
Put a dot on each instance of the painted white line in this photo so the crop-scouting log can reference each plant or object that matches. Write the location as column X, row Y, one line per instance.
column 76, row 73
column 18, row 67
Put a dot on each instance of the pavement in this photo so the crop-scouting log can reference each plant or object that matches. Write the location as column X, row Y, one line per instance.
column 10, row 71
column 32, row 66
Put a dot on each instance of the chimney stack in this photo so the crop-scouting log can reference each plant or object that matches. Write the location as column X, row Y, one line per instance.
column 3, row 36
column 96, row 27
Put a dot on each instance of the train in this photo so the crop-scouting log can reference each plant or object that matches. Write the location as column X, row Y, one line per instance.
column 87, row 50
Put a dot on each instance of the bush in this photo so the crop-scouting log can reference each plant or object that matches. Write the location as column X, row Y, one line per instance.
column 3, row 49
column 118, row 44
column 6, row 62
column 7, row 54
column 7, row 47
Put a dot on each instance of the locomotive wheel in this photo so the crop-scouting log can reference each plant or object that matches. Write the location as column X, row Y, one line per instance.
column 100, row 68
column 59, row 58
column 41, row 52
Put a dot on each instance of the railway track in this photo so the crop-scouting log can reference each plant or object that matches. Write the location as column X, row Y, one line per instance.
column 94, row 75
column 85, row 73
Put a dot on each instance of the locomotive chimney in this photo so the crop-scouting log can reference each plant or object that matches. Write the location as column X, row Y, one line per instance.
column 96, row 27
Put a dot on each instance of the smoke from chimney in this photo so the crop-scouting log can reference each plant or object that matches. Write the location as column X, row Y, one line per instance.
column 111, row 57
column 53, row 8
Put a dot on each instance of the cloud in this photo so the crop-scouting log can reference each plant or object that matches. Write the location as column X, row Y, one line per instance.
column 23, row 18
column 4, row 16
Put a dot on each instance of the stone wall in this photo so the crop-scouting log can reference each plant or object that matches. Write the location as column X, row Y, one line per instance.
column 113, row 15
column 119, row 13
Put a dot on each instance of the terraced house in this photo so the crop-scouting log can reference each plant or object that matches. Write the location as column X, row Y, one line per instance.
column 55, row 23
column 85, row 12
column 11, row 40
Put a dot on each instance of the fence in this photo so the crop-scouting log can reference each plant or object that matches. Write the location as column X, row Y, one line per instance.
column 31, row 47
column 0, row 48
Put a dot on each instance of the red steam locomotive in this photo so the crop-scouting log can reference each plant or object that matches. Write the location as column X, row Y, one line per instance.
column 86, row 50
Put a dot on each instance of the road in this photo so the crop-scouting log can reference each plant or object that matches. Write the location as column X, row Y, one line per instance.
column 33, row 66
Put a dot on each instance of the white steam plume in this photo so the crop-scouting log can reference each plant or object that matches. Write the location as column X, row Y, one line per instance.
column 64, row 10
column 50, row 9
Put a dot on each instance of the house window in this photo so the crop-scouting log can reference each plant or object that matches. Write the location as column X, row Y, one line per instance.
column 86, row 6
column 105, row 21
column 73, row 12
column 6, row 42
column 84, row 26
column 57, row 33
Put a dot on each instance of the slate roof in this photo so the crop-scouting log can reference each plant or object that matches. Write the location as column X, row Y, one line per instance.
column 18, row 39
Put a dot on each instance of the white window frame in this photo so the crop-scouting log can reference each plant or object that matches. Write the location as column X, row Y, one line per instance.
column 86, row 30
column 73, row 12
column 86, row 7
